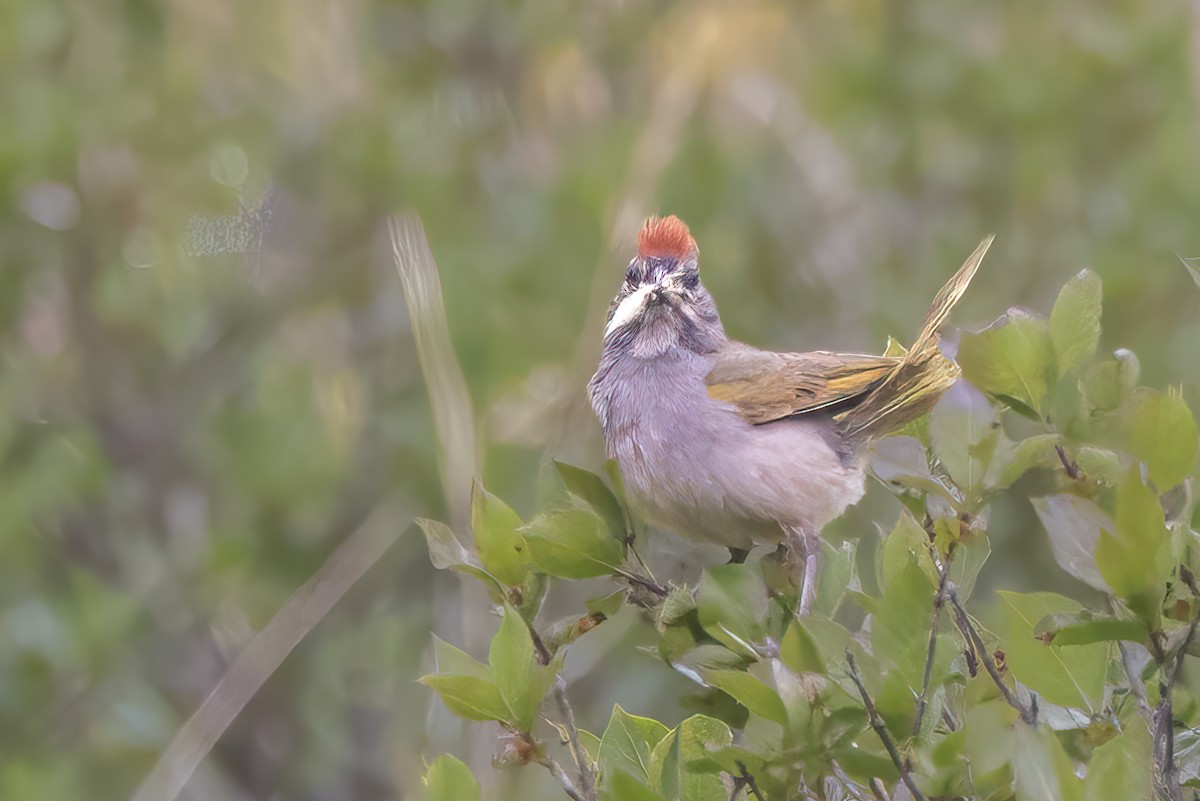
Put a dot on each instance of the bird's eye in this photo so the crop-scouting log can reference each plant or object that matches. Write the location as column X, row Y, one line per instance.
column 631, row 276
column 690, row 280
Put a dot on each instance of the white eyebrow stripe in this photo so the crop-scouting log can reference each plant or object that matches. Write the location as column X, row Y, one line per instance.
column 628, row 308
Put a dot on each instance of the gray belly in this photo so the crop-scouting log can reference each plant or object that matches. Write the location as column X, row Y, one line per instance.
column 712, row 476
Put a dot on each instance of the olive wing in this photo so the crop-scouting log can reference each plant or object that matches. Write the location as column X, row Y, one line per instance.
column 766, row 386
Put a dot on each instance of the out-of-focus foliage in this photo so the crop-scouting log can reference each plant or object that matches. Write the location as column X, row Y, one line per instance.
column 203, row 393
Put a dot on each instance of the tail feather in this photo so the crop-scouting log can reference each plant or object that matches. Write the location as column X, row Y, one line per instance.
column 923, row 375
column 950, row 294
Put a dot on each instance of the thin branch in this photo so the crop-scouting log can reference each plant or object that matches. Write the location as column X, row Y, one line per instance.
column 543, row 653
column 1028, row 712
column 879, row 791
column 642, row 581
column 935, row 619
column 560, row 775
column 1069, row 464
column 587, row 780
column 881, row 729
column 747, row 781
column 1166, row 773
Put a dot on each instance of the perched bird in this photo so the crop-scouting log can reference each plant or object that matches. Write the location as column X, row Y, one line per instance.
column 726, row 443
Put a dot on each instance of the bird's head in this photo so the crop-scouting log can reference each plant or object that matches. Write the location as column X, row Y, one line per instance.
column 662, row 303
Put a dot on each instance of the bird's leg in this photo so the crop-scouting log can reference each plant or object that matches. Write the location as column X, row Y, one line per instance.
column 737, row 556
column 812, row 563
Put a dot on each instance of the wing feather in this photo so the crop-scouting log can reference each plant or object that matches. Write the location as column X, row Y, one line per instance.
column 766, row 386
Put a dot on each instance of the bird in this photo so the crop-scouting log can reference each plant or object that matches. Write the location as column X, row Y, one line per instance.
column 722, row 442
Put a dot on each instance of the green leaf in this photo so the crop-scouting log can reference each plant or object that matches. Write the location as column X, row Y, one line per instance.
column 901, row 461
column 1085, row 628
column 908, row 543
column 692, row 740
column 838, row 574
column 1127, row 555
column 1075, row 321
column 731, row 604
column 1011, row 359
column 964, row 432
column 607, row 605
column 1036, row 451
column 750, row 692
column 450, row 780
column 623, row 787
column 497, row 536
column 447, row 553
column 1164, row 437
column 470, row 697
column 592, row 490
column 628, row 742
column 799, row 650
column 1041, row 769
column 1100, row 385
column 725, row 760
column 573, row 543
column 900, row 625
column 1074, row 525
column 449, row 660
column 1072, row 677
column 1120, row 770
column 522, row 682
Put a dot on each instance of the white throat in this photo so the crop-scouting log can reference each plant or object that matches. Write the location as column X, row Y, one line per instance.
column 629, row 308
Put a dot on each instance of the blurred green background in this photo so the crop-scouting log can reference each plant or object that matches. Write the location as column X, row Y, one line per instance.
column 202, row 396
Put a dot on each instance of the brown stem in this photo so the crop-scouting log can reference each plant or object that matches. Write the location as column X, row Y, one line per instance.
column 543, row 653
column 881, row 730
column 1166, row 774
column 1028, row 712
column 1069, row 464
column 560, row 775
column 642, row 581
column 587, row 781
column 935, row 618
column 747, row 781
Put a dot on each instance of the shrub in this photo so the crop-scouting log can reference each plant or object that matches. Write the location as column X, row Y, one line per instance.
column 901, row 693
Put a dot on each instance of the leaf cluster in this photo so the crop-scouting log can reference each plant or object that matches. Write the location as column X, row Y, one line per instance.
column 891, row 686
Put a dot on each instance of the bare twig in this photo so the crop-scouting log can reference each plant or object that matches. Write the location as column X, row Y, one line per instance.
column 1166, row 774
column 642, row 581
column 587, row 780
column 881, row 730
column 747, row 781
column 539, row 645
column 935, row 619
column 1069, row 464
column 560, row 775
column 1028, row 712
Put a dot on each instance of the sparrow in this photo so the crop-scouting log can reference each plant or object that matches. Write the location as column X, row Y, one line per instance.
column 722, row 442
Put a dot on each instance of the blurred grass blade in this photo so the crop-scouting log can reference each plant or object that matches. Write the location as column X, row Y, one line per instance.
column 267, row 650
column 453, row 418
